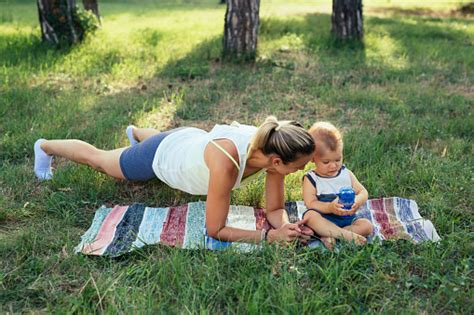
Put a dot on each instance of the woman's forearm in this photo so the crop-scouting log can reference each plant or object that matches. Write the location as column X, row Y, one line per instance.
column 277, row 217
column 230, row 234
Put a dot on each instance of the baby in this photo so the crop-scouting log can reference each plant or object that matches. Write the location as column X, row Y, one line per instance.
column 321, row 185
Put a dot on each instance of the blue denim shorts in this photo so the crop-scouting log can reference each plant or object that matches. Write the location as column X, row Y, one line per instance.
column 340, row 221
column 136, row 162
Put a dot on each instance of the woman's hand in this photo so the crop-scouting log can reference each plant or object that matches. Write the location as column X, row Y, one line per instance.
column 286, row 233
column 306, row 231
column 289, row 232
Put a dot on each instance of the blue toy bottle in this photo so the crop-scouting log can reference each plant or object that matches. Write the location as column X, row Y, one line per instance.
column 346, row 197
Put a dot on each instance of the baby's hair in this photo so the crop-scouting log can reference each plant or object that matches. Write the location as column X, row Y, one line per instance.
column 326, row 133
column 287, row 139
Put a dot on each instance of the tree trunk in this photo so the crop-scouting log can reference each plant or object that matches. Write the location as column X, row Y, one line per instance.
column 58, row 21
column 241, row 28
column 347, row 19
column 93, row 6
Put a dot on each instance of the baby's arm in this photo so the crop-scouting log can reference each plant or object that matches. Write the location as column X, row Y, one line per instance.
column 361, row 193
column 311, row 201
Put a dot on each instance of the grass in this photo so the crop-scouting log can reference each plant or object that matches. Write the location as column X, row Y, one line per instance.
column 404, row 100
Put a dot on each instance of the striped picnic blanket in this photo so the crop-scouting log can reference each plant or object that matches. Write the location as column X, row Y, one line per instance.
column 121, row 229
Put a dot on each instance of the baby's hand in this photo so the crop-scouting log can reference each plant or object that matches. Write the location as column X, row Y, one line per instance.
column 355, row 207
column 336, row 208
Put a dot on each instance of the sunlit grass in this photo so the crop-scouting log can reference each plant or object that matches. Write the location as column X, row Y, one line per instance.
column 385, row 51
column 403, row 98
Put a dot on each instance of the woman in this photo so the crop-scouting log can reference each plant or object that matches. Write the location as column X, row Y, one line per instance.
column 204, row 163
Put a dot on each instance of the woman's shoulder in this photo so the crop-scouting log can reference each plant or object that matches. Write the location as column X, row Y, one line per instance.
column 217, row 159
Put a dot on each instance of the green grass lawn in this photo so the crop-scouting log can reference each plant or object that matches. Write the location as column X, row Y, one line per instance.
column 404, row 101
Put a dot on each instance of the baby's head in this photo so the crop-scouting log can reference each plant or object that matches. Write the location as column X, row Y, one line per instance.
column 329, row 146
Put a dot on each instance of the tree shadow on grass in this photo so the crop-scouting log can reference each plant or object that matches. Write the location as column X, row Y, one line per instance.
column 195, row 64
column 207, row 78
column 338, row 64
column 207, row 81
column 438, row 65
column 315, row 32
column 413, row 38
column 249, row 90
column 27, row 49
column 203, row 66
column 423, row 41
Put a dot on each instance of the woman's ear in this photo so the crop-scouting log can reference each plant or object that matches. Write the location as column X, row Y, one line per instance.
column 276, row 161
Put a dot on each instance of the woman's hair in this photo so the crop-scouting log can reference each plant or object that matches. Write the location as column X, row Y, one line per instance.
column 326, row 133
column 287, row 139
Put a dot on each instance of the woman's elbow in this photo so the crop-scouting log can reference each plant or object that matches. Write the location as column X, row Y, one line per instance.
column 213, row 232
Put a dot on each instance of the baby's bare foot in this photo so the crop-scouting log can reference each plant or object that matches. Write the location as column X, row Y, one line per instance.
column 359, row 239
column 328, row 242
column 354, row 237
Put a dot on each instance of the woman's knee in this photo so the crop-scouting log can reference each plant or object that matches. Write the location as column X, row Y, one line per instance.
column 108, row 162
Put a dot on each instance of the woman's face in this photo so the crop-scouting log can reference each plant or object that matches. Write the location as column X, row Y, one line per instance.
column 291, row 167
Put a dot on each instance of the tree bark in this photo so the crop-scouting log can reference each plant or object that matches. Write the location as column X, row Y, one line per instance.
column 241, row 28
column 92, row 5
column 347, row 20
column 58, row 21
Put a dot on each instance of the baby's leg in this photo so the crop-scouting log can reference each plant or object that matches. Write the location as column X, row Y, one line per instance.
column 361, row 226
column 82, row 152
column 326, row 228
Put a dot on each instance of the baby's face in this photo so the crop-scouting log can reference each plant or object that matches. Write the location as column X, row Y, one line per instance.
column 328, row 162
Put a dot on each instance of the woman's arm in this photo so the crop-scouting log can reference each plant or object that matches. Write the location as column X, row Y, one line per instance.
column 275, row 199
column 276, row 213
column 222, row 177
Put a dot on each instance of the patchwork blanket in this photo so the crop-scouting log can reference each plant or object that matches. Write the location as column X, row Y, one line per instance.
column 121, row 229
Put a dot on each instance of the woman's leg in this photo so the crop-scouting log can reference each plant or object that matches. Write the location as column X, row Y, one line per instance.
column 140, row 134
column 107, row 162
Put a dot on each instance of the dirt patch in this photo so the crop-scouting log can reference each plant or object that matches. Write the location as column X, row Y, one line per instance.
column 464, row 90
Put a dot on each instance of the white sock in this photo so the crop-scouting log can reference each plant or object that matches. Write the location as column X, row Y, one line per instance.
column 129, row 132
column 42, row 162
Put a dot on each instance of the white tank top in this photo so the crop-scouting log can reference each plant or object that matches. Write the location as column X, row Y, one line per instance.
column 328, row 187
column 179, row 159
